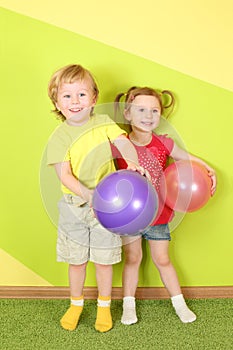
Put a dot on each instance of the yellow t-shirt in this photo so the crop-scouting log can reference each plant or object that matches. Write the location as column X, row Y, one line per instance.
column 87, row 148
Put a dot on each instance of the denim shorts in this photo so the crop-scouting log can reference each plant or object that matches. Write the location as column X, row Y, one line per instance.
column 156, row 233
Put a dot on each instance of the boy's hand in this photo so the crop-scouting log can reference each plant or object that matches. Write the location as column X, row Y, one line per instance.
column 140, row 169
column 87, row 195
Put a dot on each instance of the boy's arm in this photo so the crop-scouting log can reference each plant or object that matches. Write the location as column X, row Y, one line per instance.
column 129, row 153
column 67, row 178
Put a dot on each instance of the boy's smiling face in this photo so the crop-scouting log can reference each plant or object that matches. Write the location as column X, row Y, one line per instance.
column 75, row 101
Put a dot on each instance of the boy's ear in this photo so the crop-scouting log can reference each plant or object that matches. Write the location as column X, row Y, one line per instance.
column 94, row 101
column 56, row 105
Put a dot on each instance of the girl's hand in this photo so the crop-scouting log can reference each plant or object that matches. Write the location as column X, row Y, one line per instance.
column 212, row 175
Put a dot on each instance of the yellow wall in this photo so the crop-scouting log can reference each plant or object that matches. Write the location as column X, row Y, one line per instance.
column 193, row 37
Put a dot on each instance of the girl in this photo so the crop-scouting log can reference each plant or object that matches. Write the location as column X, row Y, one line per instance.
column 143, row 109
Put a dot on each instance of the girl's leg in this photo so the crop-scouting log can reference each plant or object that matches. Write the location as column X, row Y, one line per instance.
column 160, row 256
column 133, row 258
column 104, row 282
column 77, row 274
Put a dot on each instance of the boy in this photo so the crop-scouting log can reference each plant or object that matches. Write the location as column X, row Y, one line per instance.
column 80, row 152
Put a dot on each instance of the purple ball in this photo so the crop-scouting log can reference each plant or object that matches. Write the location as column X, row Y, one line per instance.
column 125, row 202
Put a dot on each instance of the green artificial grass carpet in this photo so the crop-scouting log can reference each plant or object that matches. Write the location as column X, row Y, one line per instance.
column 34, row 324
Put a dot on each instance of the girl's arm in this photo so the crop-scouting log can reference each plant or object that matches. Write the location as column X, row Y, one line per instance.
column 67, row 178
column 180, row 154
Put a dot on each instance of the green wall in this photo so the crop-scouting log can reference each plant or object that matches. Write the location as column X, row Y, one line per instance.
column 201, row 246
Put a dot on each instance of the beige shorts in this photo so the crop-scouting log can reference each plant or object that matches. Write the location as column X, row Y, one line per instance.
column 81, row 238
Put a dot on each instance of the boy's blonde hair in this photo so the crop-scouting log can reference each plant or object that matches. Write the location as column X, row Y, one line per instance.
column 69, row 74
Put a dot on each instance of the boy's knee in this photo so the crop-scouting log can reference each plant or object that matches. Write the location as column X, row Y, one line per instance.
column 81, row 267
column 133, row 259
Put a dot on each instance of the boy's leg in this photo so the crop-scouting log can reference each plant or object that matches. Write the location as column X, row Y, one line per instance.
column 133, row 257
column 160, row 257
column 77, row 274
column 104, row 281
column 73, row 248
column 105, row 250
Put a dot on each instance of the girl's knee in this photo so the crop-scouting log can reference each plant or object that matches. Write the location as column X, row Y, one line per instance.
column 162, row 261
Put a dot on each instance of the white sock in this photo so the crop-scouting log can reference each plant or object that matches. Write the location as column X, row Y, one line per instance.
column 103, row 303
column 129, row 311
column 77, row 302
column 182, row 310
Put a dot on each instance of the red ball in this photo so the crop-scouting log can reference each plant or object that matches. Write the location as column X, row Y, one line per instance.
column 188, row 186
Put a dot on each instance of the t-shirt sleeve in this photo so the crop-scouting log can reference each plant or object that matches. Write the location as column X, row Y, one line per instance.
column 113, row 130
column 167, row 142
column 57, row 148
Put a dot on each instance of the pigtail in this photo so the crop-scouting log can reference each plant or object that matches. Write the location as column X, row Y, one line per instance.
column 168, row 101
column 118, row 97
column 117, row 104
column 128, row 98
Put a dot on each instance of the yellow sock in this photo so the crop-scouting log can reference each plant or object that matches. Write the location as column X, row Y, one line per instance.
column 104, row 319
column 70, row 319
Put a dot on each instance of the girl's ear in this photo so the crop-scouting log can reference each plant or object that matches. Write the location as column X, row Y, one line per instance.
column 127, row 114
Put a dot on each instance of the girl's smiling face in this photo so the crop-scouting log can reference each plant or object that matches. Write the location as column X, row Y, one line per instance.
column 75, row 100
column 144, row 113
